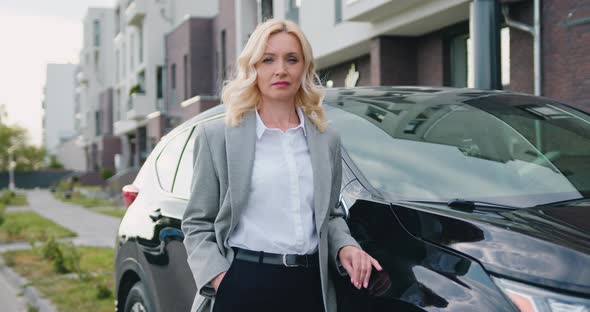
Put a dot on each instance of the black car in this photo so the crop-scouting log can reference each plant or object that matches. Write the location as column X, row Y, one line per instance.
column 470, row 200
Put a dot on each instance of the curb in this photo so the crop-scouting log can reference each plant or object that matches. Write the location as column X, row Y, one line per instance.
column 31, row 295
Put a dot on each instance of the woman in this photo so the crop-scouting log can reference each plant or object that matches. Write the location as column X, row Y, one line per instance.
column 262, row 223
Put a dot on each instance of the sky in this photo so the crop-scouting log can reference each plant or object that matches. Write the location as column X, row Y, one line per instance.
column 34, row 33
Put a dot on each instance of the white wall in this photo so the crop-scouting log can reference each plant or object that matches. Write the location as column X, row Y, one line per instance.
column 195, row 8
column 59, row 103
column 71, row 155
column 246, row 21
column 100, row 75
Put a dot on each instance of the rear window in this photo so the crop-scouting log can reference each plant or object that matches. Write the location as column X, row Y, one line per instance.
column 167, row 161
column 184, row 174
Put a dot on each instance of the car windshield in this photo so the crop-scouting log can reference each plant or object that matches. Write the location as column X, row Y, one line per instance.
column 519, row 151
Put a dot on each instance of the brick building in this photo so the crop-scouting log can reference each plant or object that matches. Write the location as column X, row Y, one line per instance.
column 428, row 43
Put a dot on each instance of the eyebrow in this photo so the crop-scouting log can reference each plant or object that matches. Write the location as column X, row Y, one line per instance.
column 289, row 53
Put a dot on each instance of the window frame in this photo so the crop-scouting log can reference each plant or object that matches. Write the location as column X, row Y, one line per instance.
column 181, row 132
column 182, row 154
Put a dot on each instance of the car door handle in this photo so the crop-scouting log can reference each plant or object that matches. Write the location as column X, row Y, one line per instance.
column 156, row 215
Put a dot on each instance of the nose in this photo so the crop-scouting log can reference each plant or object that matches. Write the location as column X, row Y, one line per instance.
column 280, row 68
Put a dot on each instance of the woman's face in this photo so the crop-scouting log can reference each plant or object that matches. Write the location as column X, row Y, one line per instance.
column 281, row 68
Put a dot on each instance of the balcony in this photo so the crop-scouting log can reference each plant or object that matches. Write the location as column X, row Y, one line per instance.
column 373, row 10
column 121, row 127
column 118, row 39
column 139, row 107
column 135, row 12
column 81, row 78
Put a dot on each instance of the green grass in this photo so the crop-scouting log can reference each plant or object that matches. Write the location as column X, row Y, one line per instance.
column 9, row 198
column 27, row 225
column 79, row 199
column 67, row 292
column 117, row 212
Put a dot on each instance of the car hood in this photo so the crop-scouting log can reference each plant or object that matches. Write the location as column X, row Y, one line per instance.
column 547, row 246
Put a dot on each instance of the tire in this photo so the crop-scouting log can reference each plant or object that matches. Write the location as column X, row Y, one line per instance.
column 137, row 299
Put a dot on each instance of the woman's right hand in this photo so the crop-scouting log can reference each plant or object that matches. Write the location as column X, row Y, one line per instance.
column 217, row 280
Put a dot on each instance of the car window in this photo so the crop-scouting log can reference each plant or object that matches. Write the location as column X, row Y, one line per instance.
column 427, row 151
column 167, row 161
column 184, row 174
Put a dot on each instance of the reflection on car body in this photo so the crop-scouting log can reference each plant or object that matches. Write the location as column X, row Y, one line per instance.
column 471, row 201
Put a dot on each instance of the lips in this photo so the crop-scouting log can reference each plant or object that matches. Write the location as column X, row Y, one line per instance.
column 281, row 84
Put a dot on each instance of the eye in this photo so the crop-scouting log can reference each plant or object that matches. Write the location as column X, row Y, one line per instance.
column 267, row 60
column 292, row 60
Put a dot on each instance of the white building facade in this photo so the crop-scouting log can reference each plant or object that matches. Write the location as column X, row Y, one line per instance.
column 58, row 105
column 95, row 77
column 140, row 73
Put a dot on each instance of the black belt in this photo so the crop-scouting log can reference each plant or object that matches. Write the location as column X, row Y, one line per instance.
column 288, row 260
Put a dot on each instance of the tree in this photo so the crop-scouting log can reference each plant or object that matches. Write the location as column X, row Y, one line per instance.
column 54, row 162
column 27, row 156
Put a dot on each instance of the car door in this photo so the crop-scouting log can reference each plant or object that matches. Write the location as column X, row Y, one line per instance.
column 171, row 274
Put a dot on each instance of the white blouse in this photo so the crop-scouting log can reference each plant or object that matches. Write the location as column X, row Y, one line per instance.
column 279, row 215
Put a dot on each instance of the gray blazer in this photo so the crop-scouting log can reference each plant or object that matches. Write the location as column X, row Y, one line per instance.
column 223, row 158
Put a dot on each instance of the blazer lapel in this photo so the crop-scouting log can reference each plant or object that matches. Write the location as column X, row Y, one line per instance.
column 322, row 175
column 240, row 144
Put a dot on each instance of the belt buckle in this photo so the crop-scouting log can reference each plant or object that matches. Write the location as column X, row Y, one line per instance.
column 285, row 262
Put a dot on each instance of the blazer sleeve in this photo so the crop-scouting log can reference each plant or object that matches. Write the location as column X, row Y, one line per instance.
column 338, row 232
column 204, row 257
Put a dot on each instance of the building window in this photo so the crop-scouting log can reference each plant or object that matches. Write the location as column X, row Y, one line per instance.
column 117, row 21
column 97, row 121
column 173, row 76
column 96, row 60
column 123, row 63
column 458, row 61
column 293, row 10
column 460, row 72
column 185, row 75
column 117, row 65
column 505, row 60
column 118, row 106
column 159, row 82
column 96, row 29
column 337, row 11
column 141, row 82
column 140, row 45
column 223, row 56
column 131, row 52
column 266, row 10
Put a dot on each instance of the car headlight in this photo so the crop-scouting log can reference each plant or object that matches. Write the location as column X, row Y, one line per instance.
column 532, row 299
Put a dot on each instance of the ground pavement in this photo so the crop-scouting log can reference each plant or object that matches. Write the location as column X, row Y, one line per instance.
column 93, row 229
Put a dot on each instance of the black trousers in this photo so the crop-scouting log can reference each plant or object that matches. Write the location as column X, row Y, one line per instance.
column 251, row 286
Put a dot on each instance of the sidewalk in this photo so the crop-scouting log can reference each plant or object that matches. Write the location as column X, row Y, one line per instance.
column 93, row 229
column 9, row 295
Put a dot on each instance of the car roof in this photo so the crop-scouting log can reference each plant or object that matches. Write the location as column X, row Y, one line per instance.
column 411, row 94
column 389, row 94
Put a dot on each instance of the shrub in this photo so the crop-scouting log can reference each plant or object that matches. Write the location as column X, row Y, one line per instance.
column 106, row 173
column 71, row 259
column 13, row 229
column 6, row 197
column 50, row 249
column 2, row 211
column 103, row 292
column 9, row 259
column 54, row 163
column 65, row 257
column 31, row 308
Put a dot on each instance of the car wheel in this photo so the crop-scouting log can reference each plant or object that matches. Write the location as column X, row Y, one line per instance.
column 137, row 299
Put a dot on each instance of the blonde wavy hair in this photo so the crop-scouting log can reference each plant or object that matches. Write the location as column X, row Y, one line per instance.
column 241, row 94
